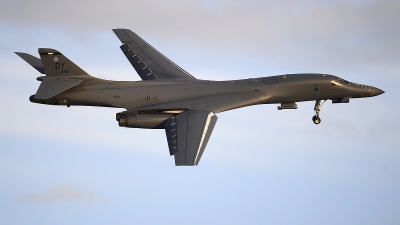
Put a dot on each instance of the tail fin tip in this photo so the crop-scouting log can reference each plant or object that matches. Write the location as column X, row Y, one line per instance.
column 48, row 51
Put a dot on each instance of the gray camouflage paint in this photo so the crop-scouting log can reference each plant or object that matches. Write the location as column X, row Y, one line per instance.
column 170, row 98
column 214, row 96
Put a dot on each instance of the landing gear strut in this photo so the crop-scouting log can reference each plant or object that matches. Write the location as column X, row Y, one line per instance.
column 317, row 109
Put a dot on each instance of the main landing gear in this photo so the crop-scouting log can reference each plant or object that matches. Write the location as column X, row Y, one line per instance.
column 317, row 109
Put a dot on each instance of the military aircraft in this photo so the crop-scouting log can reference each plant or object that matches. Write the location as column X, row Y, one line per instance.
column 170, row 98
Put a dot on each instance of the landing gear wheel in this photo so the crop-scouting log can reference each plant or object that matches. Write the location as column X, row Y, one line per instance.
column 317, row 109
column 316, row 119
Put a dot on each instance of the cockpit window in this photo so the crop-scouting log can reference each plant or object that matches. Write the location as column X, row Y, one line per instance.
column 340, row 82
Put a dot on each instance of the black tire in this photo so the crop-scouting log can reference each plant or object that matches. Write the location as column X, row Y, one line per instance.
column 316, row 119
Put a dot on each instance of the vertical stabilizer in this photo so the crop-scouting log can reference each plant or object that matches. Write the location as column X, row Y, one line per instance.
column 56, row 64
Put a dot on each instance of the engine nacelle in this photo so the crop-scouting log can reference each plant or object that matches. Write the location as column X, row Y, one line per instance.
column 149, row 121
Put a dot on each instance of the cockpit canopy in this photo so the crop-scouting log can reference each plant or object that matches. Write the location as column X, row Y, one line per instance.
column 339, row 82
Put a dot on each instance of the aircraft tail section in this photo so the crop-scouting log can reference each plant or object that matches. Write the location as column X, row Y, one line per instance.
column 32, row 60
column 52, row 86
column 56, row 64
column 61, row 74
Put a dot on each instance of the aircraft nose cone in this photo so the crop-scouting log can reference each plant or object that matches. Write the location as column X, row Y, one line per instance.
column 376, row 91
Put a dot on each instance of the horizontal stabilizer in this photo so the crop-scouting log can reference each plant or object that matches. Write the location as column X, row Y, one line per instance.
column 188, row 134
column 32, row 60
column 52, row 86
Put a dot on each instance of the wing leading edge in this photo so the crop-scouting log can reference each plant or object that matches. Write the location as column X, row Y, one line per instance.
column 147, row 61
column 188, row 134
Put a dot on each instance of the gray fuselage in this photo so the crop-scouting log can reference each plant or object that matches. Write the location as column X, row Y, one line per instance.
column 214, row 96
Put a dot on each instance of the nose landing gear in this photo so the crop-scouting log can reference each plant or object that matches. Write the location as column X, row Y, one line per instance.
column 316, row 119
column 317, row 109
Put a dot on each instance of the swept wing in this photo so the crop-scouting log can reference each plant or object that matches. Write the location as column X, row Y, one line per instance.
column 188, row 134
column 149, row 63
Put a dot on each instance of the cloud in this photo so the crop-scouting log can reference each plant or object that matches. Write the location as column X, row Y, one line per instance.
column 356, row 38
column 59, row 194
column 218, row 40
column 333, row 36
column 289, row 36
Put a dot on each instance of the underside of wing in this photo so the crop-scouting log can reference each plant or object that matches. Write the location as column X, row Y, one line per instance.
column 148, row 62
column 188, row 134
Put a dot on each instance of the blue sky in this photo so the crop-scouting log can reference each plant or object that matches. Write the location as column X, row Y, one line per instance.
column 74, row 165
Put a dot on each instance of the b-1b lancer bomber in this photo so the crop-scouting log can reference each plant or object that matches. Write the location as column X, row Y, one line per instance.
column 170, row 98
